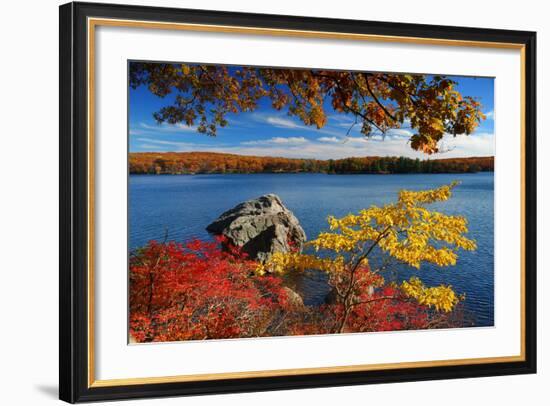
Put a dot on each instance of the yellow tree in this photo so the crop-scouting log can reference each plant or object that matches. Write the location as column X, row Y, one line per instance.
column 405, row 231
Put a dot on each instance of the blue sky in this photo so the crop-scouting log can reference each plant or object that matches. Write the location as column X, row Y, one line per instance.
column 267, row 132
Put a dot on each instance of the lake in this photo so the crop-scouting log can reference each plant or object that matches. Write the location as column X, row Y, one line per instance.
column 181, row 206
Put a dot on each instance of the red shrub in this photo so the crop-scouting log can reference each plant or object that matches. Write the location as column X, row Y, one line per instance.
column 197, row 291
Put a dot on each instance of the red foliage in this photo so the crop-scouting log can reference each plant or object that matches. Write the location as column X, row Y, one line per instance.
column 371, row 305
column 197, row 291
column 387, row 311
column 384, row 308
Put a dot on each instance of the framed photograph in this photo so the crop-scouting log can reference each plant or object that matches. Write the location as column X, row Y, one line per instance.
column 256, row 202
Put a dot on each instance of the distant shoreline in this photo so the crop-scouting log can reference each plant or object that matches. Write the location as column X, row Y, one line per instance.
column 303, row 173
column 195, row 163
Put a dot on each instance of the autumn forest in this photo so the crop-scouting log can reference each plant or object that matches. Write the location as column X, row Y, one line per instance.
column 174, row 163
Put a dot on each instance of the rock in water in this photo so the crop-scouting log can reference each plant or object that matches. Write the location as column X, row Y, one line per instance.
column 260, row 227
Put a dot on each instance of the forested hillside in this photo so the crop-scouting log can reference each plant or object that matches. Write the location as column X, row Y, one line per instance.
column 209, row 162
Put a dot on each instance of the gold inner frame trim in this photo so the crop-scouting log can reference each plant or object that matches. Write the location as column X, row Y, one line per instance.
column 94, row 22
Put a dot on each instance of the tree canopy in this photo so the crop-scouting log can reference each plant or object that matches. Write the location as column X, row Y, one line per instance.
column 378, row 102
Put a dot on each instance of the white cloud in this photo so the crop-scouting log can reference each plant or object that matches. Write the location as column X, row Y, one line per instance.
column 133, row 131
column 358, row 141
column 352, row 128
column 490, row 115
column 329, row 139
column 348, row 125
column 461, row 146
column 282, row 122
column 480, row 144
column 341, row 118
column 167, row 143
column 340, row 128
column 165, row 127
column 290, row 124
column 277, row 140
column 289, row 140
column 399, row 132
column 277, row 121
column 175, row 144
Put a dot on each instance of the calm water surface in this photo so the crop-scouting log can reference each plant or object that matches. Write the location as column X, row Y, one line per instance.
column 181, row 206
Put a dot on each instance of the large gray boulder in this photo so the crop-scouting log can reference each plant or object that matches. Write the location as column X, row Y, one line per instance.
column 260, row 227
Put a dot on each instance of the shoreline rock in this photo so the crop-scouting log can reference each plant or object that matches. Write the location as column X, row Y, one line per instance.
column 260, row 227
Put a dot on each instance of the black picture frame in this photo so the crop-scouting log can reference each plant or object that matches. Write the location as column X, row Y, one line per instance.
column 74, row 384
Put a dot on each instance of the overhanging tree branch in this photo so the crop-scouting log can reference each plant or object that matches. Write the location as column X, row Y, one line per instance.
column 366, row 76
